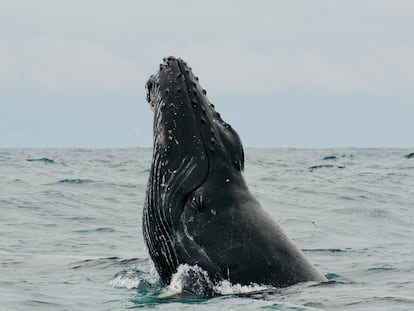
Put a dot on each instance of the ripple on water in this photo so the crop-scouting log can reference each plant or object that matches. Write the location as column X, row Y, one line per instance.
column 102, row 229
column 76, row 181
column 70, row 232
column 327, row 250
column 329, row 158
column 102, row 263
column 317, row 167
column 42, row 160
column 409, row 155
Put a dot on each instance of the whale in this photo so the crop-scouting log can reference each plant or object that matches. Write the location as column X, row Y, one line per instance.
column 198, row 209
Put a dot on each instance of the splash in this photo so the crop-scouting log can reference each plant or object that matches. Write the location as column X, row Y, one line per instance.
column 143, row 281
column 193, row 280
column 227, row 288
column 126, row 279
column 141, row 276
column 189, row 280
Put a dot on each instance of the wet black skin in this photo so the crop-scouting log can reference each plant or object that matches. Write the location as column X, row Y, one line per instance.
column 199, row 210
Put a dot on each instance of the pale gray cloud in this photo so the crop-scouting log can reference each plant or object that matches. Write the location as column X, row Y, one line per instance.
column 232, row 68
column 8, row 66
column 56, row 64
column 338, row 47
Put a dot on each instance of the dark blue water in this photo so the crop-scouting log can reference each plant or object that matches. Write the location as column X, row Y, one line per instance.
column 70, row 230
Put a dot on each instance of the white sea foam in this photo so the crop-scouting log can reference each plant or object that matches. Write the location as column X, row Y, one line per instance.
column 227, row 288
column 189, row 280
column 122, row 281
column 135, row 277
column 194, row 280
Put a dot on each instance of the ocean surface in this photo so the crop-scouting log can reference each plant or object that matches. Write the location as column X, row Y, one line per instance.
column 70, row 230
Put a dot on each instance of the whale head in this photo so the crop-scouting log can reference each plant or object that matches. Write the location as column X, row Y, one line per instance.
column 192, row 146
column 185, row 121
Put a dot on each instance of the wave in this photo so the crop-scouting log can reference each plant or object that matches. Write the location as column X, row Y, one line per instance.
column 105, row 262
column 76, row 181
column 315, row 167
column 381, row 269
column 101, row 229
column 409, row 155
column 326, row 250
column 329, row 158
column 43, row 160
column 332, row 276
column 335, row 157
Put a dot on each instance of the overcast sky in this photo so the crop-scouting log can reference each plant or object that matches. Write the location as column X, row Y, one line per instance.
column 325, row 73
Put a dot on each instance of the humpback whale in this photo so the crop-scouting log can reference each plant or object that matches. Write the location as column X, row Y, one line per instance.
column 198, row 209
